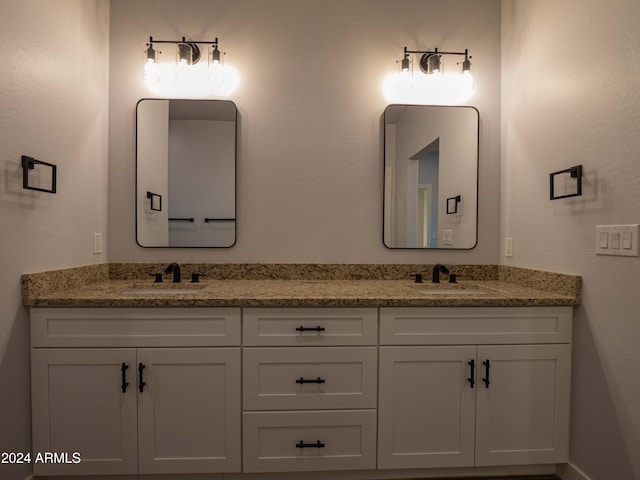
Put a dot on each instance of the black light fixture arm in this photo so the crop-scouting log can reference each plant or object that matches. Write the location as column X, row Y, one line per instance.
column 436, row 52
column 213, row 43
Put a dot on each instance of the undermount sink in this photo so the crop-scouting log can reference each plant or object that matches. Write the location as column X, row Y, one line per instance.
column 453, row 291
column 161, row 291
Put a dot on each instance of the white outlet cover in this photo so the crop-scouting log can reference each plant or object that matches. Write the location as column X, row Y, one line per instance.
column 508, row 247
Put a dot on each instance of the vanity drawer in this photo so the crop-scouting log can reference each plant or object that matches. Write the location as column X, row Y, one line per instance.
column 474, row 325
column 310, row 326
column 135, row 327
column 335, row 440
column 309, row 378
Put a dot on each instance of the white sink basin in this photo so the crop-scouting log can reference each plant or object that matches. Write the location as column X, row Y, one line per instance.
column 453, row 291
column 161, row 291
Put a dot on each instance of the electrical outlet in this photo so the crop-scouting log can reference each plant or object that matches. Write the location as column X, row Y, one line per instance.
column 508, row 247
column 97, row 243
column 447, row 237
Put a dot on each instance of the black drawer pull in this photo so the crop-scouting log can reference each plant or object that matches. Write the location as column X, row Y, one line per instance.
column 472, row 381
column 302, row 380
column 140, row 369
column 125, row 384
column 310, row 329
column 487, row 366
column 318, row 444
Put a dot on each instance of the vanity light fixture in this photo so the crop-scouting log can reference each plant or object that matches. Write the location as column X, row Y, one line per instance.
column 188, row 73
column 187, row 50
column 435, row 86
column 431, row 60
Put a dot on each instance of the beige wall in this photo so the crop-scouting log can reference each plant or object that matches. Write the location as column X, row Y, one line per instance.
column 54, row 107
column 310, row 102
column 571, row 95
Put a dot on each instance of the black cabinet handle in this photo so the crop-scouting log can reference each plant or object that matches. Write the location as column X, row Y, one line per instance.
column 472, row 381
column 310, row 329
column 141, row 367
column 125, row 384
column 487, row 366
column 318, row 444
column 302, row 380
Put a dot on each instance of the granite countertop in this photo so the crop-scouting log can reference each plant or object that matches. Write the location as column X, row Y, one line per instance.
column 515, row 288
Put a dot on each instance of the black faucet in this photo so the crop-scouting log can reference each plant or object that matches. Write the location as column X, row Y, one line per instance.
column 436, row 272
column 175, row 269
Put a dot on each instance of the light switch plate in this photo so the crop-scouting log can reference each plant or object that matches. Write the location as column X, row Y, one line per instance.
column 621, row 240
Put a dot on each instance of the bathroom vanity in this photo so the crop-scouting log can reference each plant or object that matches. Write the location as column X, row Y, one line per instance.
column 280, row 381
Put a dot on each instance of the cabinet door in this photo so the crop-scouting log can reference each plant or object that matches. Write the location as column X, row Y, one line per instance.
column 426, row 407
column 189, row 410
column 523, row 414
column 78, row 405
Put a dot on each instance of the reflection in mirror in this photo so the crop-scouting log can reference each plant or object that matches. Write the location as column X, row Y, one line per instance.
column 430, row 177
column 186, row 173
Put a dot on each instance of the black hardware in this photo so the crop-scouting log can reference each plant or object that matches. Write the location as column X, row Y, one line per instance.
column 175, row 269
column 487, row 365
column 436, row 272
column 157, row 277
column 179, row 219
column 417, row 276
column 452, row 204
column 195, row 277
column 310, row 329
column 29, row 163
column 125, row 384
column 574, row 172
column 207, row 220
column 155, row 201
column 453, row 278
column 302, row 380
column 141, row 383
column 318, row 444
column 472, row 364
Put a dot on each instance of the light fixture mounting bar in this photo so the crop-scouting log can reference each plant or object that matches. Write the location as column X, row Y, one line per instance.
column 184, row 40
column 436, row 51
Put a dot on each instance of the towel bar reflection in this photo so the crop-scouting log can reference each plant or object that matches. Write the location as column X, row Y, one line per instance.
column 155, row 201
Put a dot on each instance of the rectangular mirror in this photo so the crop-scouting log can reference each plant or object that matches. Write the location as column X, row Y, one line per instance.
column 430, row 177
column 186, row 173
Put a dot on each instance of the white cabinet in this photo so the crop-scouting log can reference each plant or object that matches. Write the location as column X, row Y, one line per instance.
column 158, row 390
column 473, row 405
column 136, row 410
column 310, row 389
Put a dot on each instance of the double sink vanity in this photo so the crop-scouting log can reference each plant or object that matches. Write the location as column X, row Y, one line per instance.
column 354, row 369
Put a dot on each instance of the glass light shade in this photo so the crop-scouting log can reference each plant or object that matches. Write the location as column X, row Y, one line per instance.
column 150, row 73
column 215, row 55
column 184, row 53
column 405, row 64
column 434, row 64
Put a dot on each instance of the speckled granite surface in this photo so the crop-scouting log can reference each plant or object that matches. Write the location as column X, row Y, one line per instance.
column 129, row 285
